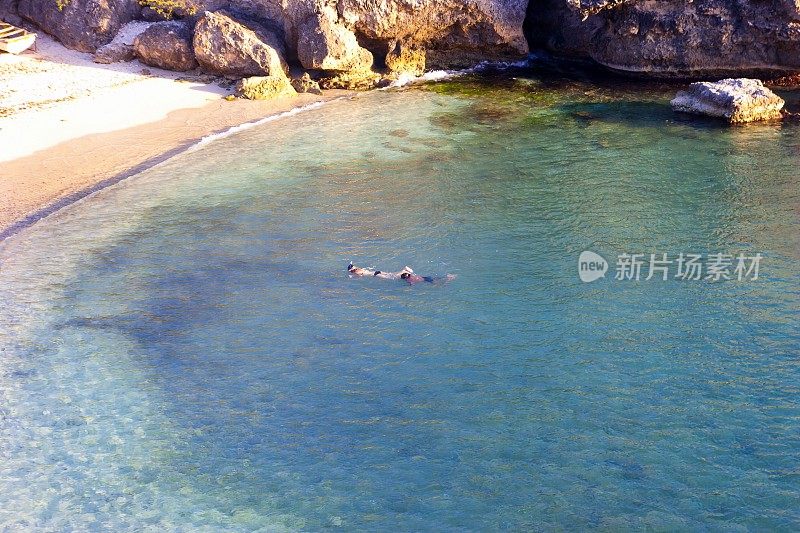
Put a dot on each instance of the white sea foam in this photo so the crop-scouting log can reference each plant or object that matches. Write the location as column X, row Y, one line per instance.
column 248, row 125
column 442, row 75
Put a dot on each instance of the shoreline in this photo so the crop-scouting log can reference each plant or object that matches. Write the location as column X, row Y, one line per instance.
column 36, row 185
column 113, row 121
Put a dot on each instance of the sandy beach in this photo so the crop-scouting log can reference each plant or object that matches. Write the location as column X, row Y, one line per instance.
column 69, row 125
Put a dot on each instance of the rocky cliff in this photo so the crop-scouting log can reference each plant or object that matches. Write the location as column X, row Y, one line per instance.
column 327, row 34
column 672, row 38
column 652, row 38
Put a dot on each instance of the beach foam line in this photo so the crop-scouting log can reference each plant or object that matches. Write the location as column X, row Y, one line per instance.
column 255, row 123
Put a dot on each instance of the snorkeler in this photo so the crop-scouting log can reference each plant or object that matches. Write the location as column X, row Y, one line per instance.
column 412, row 278
column 407, row 274
column 366, row 272
column 358, row 271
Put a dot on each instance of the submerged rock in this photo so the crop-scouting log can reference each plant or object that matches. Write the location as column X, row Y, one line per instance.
column 264, row 87
column 735, row 100
column 304, row 84
column 83, row 25
column 166, row 45
column 233, row 47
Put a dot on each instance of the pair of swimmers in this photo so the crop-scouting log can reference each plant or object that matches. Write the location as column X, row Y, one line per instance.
column 406, row 274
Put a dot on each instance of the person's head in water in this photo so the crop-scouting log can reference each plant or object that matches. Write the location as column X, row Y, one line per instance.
column 358, row 271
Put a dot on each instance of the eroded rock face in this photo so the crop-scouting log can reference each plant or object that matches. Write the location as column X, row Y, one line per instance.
column 456, row 32
column 404, row 58
column 673, row 38
column 264, row 87
column 334, row 35
column 323, row 43
column 455, row 28
column 236, row 47
column 304, row 84
column 352, row 81
column 167, row 45
column 83, row 25
column 735, row 100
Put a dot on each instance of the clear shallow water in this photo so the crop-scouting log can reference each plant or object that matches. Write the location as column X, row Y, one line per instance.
column 185, row 350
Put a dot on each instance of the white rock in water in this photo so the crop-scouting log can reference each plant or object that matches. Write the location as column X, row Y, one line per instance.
column 735, row 100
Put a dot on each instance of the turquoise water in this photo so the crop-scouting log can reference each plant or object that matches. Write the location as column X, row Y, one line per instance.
column 184, row 350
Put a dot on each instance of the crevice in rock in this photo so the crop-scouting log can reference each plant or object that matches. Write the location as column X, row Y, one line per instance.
column 377, row 47
column 532, row 27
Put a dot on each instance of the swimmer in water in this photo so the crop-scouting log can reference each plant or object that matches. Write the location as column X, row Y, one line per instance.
column 412, row 278
column 366, row 272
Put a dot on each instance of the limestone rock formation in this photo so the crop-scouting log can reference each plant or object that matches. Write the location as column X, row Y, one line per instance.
column 672, row 38
column 304, row 84
column 325, row 44
column 264, row 87
column 167, row 45
column 352, row 81
column 735, row 100
column 331, row 35
column 454, row 31
column 237, row 47
column 405, row 58
column 83, row 25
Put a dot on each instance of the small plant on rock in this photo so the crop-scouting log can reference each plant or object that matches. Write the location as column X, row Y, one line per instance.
column 166, row 8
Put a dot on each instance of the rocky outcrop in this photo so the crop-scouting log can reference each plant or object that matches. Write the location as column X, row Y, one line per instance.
column 352, row 81
column 672, row 38
column 114, row 53
column 121, row 48
column 650, row 38
column 455, row 32
column 404, row 58
column 167, row 45
column 735, row 100
column 330, row 35
column 325, row 44
column 83, row 25
column 264, row 87
column 304, row 84
column 233, row 46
